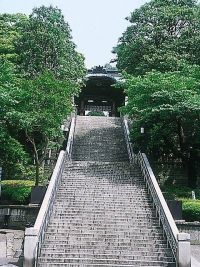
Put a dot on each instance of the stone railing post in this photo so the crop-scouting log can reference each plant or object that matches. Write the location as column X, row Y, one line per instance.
column 30, row 247
column 71, row 137
column 183, row 250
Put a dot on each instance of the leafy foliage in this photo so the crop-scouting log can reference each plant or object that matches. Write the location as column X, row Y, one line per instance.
column 16, row 191
column 190, row 207
column 36, row 89
column 177, row 192
column 46, row 44
column 191, row 210
column 160, row 52
column 43, row 111
column 95, row 113
column 10, row 25
column 168, row 107
column 13, row 157
column 163, row 35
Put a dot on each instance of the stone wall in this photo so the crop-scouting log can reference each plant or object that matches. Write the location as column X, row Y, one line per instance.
column 17, row 216
column 11, row 246
column 192, row 228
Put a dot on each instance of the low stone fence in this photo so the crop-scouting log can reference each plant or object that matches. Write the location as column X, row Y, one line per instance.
column 192, row 228
column 17, row 216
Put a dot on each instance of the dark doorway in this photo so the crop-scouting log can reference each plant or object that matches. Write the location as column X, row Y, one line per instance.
column 99, row 94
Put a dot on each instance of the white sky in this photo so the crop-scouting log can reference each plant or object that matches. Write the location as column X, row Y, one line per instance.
column 96, row 25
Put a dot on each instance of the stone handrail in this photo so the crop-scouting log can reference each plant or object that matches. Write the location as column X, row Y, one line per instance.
column 160, row 204
column 34, row 235
column 132, row 156
column 71, row 137
column 179, row 242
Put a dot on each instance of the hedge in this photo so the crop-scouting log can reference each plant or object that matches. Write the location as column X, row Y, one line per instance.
column 190, row 207
column 16, row 191
column 175, row 192
column 191, row 210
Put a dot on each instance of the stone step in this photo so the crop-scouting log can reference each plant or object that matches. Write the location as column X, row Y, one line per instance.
column 106, row 257
column 101, row 207
column 109, row 222
column 115, row 217
column 115, row 236
column 104, row 204
column 137, row 263
column 104, row 199
column 91, row 212
column 100, row 232
column 115, row 211
column 99, row 140
column 108, row 251
column 120, row 227
column 102, row 215
column 101, row 241
column 131, row 186
column 113, row 228
column 122, row 248
column 132, row 192
column 102, row 194
column 147, row 260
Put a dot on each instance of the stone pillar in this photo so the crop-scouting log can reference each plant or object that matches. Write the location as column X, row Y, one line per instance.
column 30, row 247
column 183, row 251
column 82, row 108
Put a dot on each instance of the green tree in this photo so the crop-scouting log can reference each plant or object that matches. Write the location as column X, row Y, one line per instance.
column 163, row 35
column 46, row 44
column 36, row 98
column 13, row 157
column 10, row 26
column 44, row 104
column 168, row 107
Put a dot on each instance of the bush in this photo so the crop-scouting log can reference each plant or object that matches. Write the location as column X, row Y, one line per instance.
column 16, row 191
column 176, row 192
column 190, row 207
column 191, row 210
column 96, row 113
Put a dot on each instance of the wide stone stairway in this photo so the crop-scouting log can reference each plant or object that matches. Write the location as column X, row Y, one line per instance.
column 103, row 215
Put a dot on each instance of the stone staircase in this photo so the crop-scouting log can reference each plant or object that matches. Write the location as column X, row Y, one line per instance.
column 102, row 214
column 99, row 139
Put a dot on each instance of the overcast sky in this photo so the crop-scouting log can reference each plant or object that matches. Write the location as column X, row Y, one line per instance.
column 96, row 25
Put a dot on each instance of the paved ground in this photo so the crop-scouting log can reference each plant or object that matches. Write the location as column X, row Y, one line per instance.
column 195, row 250
column 4, row 262
column 11, row 247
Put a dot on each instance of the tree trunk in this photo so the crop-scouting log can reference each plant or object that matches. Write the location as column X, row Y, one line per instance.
column 182, row 139
column 37, row 173
column 38, row 160
column 192, row 171
column 188, row 156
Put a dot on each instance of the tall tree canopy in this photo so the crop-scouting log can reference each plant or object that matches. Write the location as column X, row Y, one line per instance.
column 160, row 51
column 163, row 35
column 10, row 26
column 13, row 157
column 46, row 44
column 37, row 88
column 168, row 107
